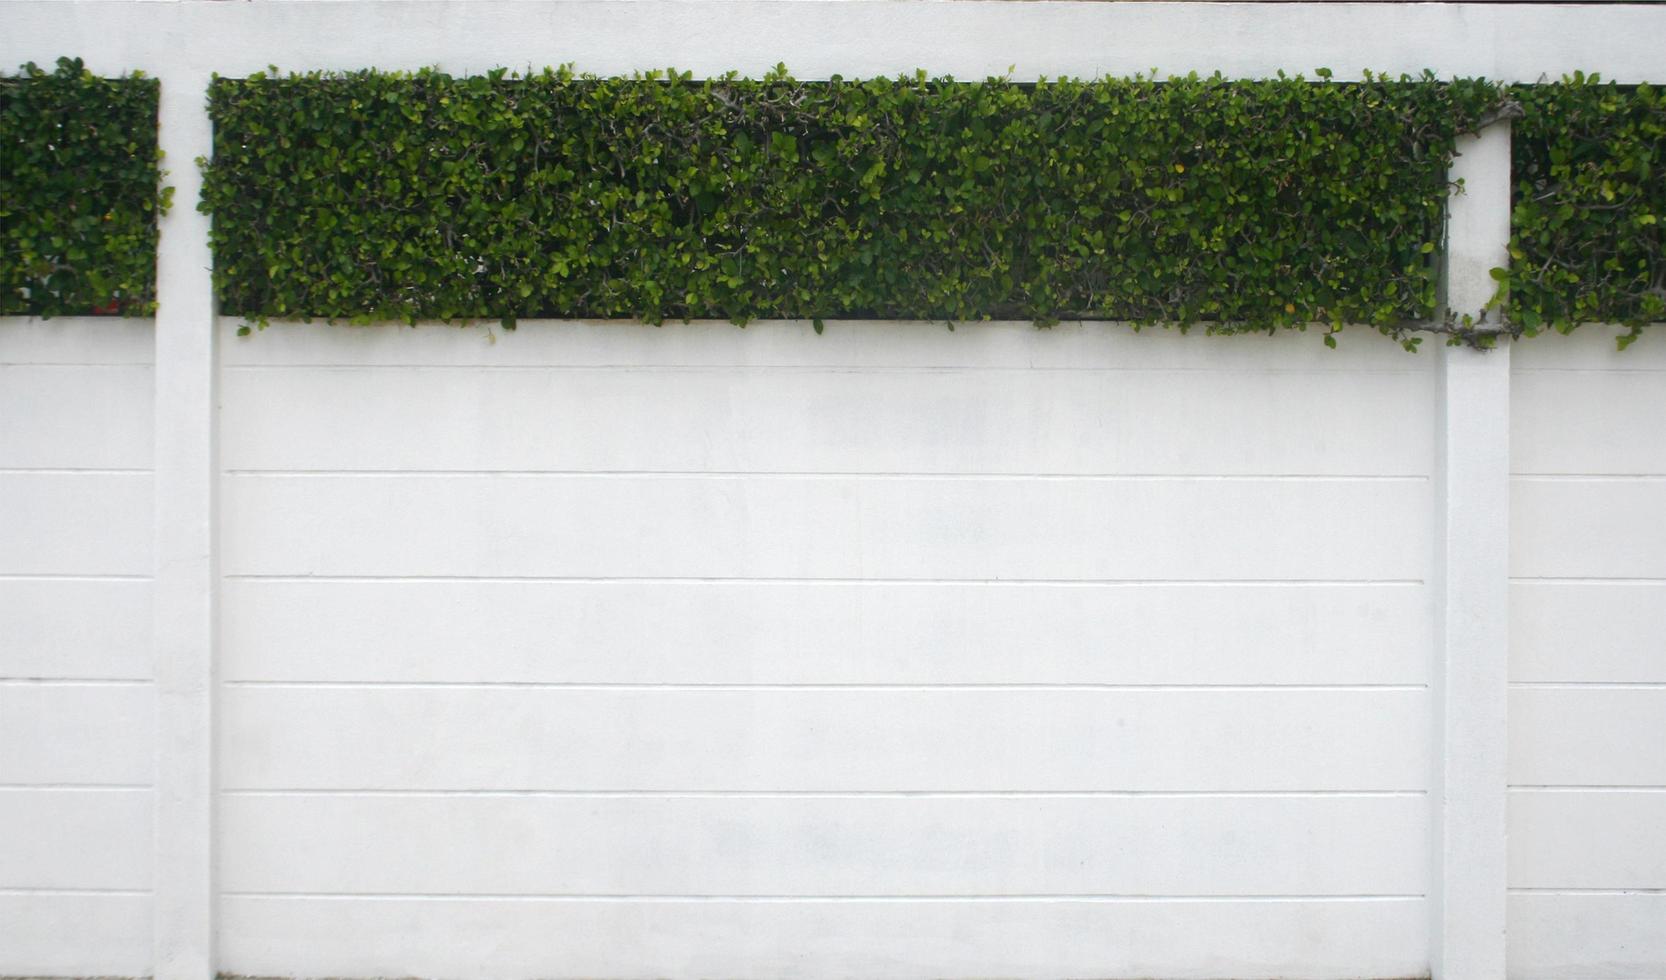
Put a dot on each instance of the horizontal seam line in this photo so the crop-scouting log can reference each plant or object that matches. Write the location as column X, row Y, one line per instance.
column 76, row 787
column 1586, row 891
column 556, row 685
column 811, row 580
column 1589, row 477
column 837, row 794
column 1552, row 369
column 70, row 577
column 77, row 681
column 1587, row 580
column 1576, row 788
column 491, row 897
column 77, row 470
column 1588, row 685
column 637, row 368
column 76, row 891
column 78, row 364
column 840, row 475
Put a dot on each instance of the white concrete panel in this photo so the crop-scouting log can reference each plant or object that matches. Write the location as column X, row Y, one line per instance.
column 1588, row 737
column 77, row 341
column 1588, row 421
column 75, row 416
column 1602, row 839
column 827, row 421
column 75, row 628
column 75, row 523
column 74, row 839
column 1588, row 631
column 1003, row 345
column 75, row 553
column 907, row 528
column 75, row 935
column 1587, row 937
column 1586, row 658
column 77, row 733
column 823, row 633
column 1596, row 528
column 495, row 939
column 823, row 740
column 820, row 845
column 1590, row 348
column 697, row 775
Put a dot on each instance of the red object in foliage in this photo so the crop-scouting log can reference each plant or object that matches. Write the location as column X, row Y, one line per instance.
column 108, row 309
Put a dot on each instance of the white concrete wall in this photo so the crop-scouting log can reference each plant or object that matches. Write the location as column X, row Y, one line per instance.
column 926, row 730
column 76, row 702
column 598, row 649
column 1588, row 660
column 614, row 650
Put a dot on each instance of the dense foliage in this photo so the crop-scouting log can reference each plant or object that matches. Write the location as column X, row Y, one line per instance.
column 1234, row 205
column 79, row 192
column 1588, row 241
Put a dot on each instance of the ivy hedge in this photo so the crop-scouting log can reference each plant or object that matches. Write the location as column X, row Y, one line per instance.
column 1588, row 242
column 1231, row 205
column 79, row 192
column 1196, row 201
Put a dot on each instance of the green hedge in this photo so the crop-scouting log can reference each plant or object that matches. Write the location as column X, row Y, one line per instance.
column 1233, row 205
column 79, row 192
column 1589, row 225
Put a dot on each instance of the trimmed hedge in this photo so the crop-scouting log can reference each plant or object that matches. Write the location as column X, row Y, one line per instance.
column 79, row 192
column 1231, row 205
column 1589, row 225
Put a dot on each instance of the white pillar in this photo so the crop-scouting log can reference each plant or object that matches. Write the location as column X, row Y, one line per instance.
column 185, row 567
column 1472, row 585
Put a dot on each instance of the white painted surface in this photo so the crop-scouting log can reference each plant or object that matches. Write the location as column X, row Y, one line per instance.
column 99, row 733
column 75, row 524
column 1588, row 749
column 846, row 344
column 759, row 420
column 1471, row 583
column 770, row 845
column 1587, row 839
column 49, row 634
column 710, row 627
column 1588, row 736
column 76, row 839
column 823, row 739
column 833, row 527
column 184, row 526
column 1589, row 527
column 740, row 632
column 490, row 938
column 77, row 934
column 66, row 415
column 76, row 701
column 1603, row 631
column 1600, row 935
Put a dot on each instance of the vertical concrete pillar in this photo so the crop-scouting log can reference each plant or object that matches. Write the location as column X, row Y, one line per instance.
column 185, row 538
column 1472, row 584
